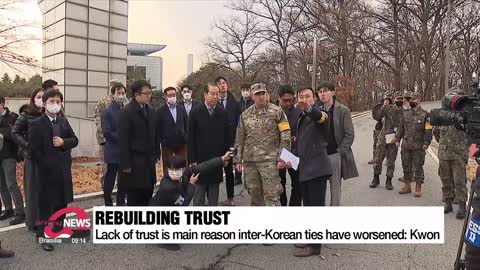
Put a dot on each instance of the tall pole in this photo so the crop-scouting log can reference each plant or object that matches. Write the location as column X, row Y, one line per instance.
column 314, row 68
column 447, row 56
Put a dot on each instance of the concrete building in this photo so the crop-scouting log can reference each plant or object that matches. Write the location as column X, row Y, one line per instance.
column 151, row 67
column 84, row 46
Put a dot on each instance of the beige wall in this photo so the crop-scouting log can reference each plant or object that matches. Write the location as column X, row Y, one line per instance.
column 14, row 104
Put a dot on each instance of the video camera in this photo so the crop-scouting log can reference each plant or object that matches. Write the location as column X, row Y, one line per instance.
column 463, row 111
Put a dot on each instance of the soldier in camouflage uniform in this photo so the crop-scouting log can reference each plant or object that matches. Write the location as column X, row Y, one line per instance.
column 407, row 95
column 417, row 134
column 391, row 115
column 102, row 105
column 262, row 132
column 376, row 131
column 453, row 157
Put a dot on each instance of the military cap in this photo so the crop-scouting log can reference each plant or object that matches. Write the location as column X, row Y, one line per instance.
column 416, row 95
column 398, row 94
column 258, row 87
column 387, row 95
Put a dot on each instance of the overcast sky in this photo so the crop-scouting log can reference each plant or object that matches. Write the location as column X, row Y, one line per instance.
column 182, row 25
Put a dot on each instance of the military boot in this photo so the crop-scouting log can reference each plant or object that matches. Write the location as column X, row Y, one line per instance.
column 5, row 253
column 448, row 206
column 418, row 189
column 375, row 181
column 406, row 187
column 462, row 211
column 400, row 179
column 388, row 183
column 372, row 161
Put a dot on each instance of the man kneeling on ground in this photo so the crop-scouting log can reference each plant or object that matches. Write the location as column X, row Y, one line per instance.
column 178, row 185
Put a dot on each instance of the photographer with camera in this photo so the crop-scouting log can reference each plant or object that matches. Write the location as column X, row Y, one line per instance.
column 453, row 157
column 391, row 116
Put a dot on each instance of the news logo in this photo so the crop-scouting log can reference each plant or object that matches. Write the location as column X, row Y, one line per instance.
column 61, row 230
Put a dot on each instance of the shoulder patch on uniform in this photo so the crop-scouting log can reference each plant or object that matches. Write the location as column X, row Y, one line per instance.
column 324, row 118
column 283, row 126
column 428, row 126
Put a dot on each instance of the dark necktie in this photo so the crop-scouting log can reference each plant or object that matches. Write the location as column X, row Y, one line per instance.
column 210, row 111
column 222, row 102
column 54, row 121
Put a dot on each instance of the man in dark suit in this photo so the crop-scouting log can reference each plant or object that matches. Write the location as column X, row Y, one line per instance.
column 246, row 99
column 109, row 126
column 209, row 136
column 139, row 146
column 314, row 167
column 188, row 103
column 228, row 102
column 172, row 127
column 51, row 139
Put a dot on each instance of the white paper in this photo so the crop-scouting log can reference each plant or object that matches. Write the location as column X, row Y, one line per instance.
column 389, row 138
column 287, row 156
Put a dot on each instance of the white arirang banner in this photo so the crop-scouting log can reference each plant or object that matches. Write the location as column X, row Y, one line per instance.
column 257, row 225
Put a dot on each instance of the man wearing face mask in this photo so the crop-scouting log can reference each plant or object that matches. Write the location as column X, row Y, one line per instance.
column 51, row 139
column 109, row 122
column 416, row 132
column 246, row 99
column 188, row 102
column 101, row 106
column 177, row 187
column 172, row 121
column 407, row 95
column 391, row 115
column 8, row 164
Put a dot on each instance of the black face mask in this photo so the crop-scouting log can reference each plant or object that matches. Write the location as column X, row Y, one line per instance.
column 412, row 104
column 399, row 103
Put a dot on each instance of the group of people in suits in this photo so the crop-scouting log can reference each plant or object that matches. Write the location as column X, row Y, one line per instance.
column 42, row 137
column 138, row 136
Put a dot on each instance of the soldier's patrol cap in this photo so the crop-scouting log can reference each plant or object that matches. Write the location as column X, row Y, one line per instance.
column 114, row 81
column 258, row 87
column 387, row 95
column 398, row 94
column 416, row 95
column 407, row 94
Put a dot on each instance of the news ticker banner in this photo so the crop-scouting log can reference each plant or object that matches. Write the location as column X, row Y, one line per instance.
column 256, row 225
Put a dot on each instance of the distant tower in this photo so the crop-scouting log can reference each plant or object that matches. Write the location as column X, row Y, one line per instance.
column 189, row 64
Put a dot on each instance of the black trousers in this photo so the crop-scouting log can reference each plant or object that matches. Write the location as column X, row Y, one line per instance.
column 139, row 197
column 229, row 180
column 296, row 194
column 313, row 192
column 109, row 183
column 47, row 209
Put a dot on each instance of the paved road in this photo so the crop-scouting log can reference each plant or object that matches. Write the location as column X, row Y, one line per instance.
column 215, row 257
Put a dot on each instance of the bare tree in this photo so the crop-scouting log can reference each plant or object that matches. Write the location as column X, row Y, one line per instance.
column 14, row 37
column 236, row 45
column 281, row 20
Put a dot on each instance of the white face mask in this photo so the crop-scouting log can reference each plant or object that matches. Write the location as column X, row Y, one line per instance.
column 171, row 100
column 175, row 174
column 245, row 94
column 119, row 99
column 187, row 96
column 38, row 102
column 53, row 108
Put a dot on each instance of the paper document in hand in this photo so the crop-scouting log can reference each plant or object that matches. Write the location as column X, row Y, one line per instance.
column 287, row 156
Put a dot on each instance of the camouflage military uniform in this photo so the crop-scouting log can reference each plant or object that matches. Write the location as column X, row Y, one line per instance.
column 392, row 118
column 453, row 157
column 102, row 105
column 416, row 132
column 261, row 134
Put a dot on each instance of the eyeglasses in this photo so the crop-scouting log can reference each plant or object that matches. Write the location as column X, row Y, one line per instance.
column 149, row 93
column 287, row 100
